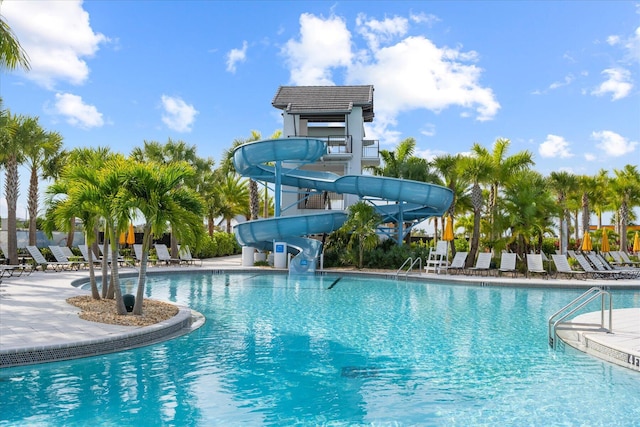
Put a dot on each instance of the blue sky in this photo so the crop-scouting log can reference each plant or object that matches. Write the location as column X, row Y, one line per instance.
column 559, row 79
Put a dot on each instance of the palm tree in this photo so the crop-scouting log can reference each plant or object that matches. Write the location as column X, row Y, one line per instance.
column 71, row 196
column 227, row 166
column 602, row 194
column 529, row 206
column 626, row 189
column 38, row 148
column 11, row 156
column 234, row 198
column 12, row 55
column 477, row 170
column 176, row 151
column 361, row 225
column 503, row 169
column 156, row 192
column 396, row 163
column 562, row 184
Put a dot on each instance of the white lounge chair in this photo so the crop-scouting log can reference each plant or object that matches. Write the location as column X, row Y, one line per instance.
column 185, row 256
column 40, row 261
column 562, row 267
column 60, row 257
column 535, row 265
column 458, row 262
column 483, row 264
column 508, row 263
column 164, row 256
column 84, row 250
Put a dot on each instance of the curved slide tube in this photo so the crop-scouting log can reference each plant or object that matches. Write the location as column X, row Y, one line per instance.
column 414, row 200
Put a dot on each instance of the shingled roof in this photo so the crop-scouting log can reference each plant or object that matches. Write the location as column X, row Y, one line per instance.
column 325, row 103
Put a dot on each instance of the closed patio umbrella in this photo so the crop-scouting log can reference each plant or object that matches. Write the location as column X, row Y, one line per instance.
column 586, row 242
column 123, row 238
column 604, row 244
column 131, row 235
column 448, row 230
column 636, row 243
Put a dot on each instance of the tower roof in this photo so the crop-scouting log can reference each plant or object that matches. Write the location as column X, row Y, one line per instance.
column 325, row 103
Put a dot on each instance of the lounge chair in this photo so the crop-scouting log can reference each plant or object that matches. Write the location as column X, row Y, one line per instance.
column 60, row 257
column 185, row 256
column 84, row 250
column 562, row 267
column 601, row 264
column 535, row 265
column 508, row 263
column 458, row 262
column 15, row 270
column 627, row 260
column 590, row 271
column 164, row 256
column 41, row 261
column 437, row 258
column 483, row 264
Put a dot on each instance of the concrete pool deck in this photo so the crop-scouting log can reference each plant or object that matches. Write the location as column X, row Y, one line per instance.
column 37, row 325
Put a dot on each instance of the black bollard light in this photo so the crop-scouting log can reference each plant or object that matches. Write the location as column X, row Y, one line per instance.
column 129, row 302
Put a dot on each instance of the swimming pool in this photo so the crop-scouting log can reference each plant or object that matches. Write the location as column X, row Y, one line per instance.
column 280, row 350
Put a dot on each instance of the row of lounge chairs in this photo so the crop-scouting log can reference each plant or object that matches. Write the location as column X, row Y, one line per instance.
column 66, row 260
column 593, row 265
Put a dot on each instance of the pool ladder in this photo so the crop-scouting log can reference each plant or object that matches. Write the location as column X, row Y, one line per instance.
column 577, row 304
column 411, row 262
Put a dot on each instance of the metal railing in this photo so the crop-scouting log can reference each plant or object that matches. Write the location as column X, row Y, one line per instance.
column 411, row 263
column 582, row 301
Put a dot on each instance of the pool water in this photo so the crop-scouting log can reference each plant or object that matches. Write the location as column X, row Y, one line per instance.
column 324, row 350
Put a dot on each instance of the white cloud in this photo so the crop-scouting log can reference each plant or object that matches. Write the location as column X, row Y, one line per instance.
column 590, row 157
column 178, row 115
column 408, row 72
column 376, row 32
column 424, row 18
column 323, row 45
column 57, row 36
column 618, row 83
column 613, row 144
column 555, row 146
column 76, row 112
column 236, row 55
column 567, row 81
column 416, row 74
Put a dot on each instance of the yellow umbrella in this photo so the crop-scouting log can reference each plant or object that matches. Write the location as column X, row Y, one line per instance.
column 123, row 238
column 636, row 243
column 586, row 242
column 604, row 245
column 448, row 230
column 131, row 235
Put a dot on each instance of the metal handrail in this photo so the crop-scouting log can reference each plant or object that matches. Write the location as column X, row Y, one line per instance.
column 413, row 262
column 588, row 296
column 408, row 260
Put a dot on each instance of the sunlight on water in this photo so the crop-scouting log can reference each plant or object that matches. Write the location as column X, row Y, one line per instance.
column 278, row 350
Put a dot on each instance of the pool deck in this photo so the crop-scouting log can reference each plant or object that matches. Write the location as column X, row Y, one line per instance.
column 37, row 325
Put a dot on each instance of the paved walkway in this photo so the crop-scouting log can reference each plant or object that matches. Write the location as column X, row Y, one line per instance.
column 36, row 324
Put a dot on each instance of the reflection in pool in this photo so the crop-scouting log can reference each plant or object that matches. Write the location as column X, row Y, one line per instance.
column 310, row 350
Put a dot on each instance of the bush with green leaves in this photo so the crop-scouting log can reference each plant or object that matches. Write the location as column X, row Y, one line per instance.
column 220, row 244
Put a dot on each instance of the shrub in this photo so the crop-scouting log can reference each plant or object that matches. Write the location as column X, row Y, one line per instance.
column 220, row 244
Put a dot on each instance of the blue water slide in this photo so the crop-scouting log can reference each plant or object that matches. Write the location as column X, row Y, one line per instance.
column 414, row 200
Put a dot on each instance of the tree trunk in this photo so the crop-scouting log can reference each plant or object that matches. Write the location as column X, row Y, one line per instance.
column 71, row 233
column 142, row 275
column 11, row 194
column 32, row 205
column 120, row 308
column 105, row 266
column 92, row 274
